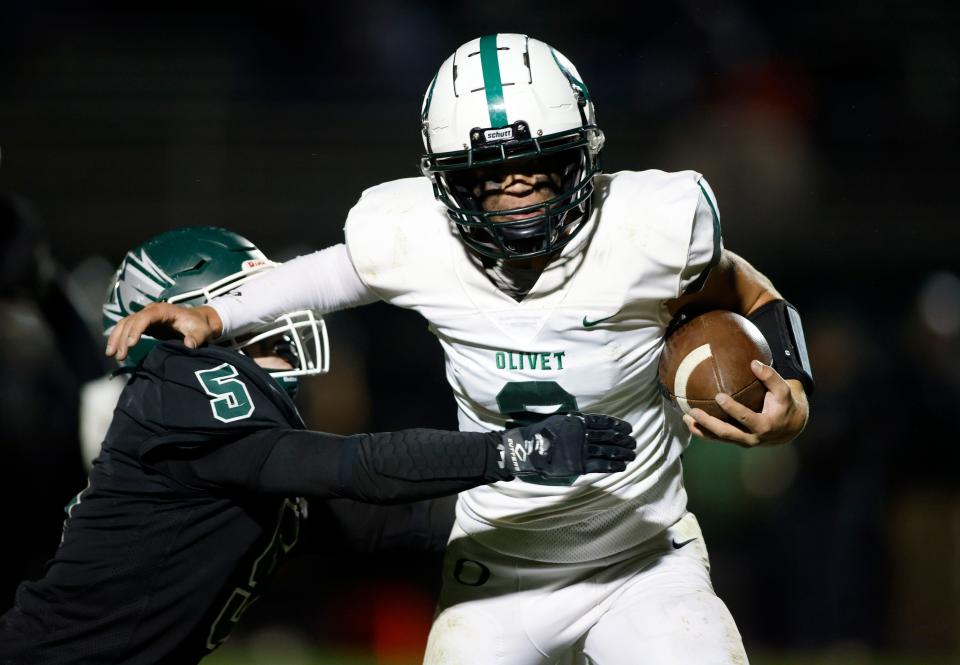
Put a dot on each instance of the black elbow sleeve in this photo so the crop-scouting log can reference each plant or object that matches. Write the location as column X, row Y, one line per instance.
column 418, row 464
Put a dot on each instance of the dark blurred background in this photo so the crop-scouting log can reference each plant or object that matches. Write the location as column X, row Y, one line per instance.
column 829, row 135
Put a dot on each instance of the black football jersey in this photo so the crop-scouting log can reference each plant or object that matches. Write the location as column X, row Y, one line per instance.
column 193, row 503
column 156, row 564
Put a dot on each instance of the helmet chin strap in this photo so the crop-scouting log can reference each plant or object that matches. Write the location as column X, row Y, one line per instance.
column 525, row 231
column 530, row 237
column 542, row 235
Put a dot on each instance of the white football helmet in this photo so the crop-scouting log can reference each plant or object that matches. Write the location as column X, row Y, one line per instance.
column 509, row 97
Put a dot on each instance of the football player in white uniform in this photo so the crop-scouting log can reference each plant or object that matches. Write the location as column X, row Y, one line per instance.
column 550, row 287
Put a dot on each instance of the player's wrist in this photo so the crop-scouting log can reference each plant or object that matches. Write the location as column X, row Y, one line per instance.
column 794, row 420
column 510, row 449
column 524, row 450
column 213, row 320
column 801, row 407
column 499, row 469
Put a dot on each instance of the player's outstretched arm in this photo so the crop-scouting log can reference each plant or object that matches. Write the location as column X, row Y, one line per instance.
column 417, row 464
column 324, row 281
column 406, row 465
column 421, row 464
column 197, row 325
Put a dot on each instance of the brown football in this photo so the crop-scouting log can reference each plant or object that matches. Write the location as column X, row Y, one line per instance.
column 711, row 353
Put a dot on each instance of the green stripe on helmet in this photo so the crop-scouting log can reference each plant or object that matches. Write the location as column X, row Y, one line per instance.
column 574, row 81
column 429, row 99
column 491, row 81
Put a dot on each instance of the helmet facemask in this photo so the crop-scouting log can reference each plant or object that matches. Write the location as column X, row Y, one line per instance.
column 493, row 233
column 298, row 338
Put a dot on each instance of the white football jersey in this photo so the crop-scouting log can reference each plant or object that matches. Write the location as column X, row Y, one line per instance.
column 587, row 337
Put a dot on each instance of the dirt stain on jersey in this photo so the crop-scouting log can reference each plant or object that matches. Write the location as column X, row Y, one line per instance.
column 444, row 632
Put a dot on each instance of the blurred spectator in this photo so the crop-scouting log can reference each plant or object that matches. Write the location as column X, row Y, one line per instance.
column 46, row 353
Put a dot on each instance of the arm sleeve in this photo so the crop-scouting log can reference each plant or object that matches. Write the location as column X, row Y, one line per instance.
column 391, row 467
column 325, row 281
column 706, row 241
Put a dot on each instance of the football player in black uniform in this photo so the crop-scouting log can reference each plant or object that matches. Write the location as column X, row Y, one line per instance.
column 197, row 495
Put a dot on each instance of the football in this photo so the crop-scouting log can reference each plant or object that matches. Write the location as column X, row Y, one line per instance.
column 711, row 353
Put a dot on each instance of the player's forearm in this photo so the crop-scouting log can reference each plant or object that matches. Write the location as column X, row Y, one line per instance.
column 753, row 289
column 421, row 464
column 390, row 467
column 325, row 281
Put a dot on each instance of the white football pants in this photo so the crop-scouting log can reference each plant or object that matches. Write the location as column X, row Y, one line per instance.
column 652, row 605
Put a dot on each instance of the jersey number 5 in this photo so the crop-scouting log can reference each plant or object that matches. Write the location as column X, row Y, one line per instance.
column 230, row 399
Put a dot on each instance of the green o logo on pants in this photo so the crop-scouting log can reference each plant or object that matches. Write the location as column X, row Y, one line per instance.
column 230, row 397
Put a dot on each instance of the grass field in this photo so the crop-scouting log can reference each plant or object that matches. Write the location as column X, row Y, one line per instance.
column 243, row 656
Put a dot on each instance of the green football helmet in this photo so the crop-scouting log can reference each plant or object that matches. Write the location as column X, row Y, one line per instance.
column 190, row 266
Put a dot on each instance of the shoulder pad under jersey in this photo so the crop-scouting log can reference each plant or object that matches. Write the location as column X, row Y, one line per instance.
column 212, row 393
column 395, row 233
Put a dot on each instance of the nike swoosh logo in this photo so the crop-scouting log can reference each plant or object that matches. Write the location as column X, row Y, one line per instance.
column 590, row 324
column 677, row 545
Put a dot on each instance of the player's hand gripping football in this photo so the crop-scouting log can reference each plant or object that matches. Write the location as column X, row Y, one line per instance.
column 197, row 325
column 569, row 445
column 783, row 417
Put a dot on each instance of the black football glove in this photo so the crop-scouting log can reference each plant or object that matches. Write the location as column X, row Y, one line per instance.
column 568, row 445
